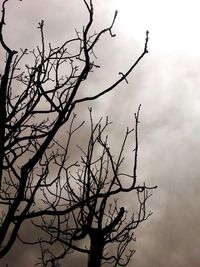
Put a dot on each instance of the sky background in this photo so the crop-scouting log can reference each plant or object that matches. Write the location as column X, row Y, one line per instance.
column 166, row 83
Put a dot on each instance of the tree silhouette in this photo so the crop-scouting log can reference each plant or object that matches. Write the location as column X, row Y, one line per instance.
column 110, row 229
column 37, row 102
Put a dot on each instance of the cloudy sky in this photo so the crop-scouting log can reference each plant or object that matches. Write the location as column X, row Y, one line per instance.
column 166, row 83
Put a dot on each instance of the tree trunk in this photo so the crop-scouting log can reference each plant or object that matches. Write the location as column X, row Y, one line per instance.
column 96, row 248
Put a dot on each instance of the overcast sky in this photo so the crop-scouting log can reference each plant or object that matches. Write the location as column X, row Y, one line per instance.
column 166, row 83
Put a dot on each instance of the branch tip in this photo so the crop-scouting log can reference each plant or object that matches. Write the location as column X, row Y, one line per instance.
column 146, row 42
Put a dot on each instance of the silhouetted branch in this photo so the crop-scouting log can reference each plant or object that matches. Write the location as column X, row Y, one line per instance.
column 99, row 182
column 37, row 106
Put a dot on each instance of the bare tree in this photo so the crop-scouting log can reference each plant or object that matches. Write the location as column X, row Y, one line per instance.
column 110, row 229
column 37, row 102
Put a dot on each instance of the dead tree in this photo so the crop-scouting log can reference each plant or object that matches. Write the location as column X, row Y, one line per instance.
column 110, row 228
column 29, row 130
